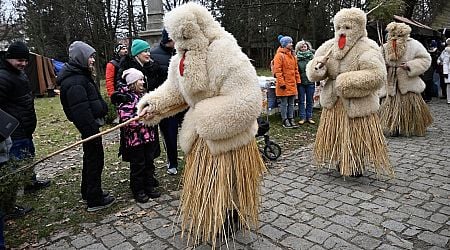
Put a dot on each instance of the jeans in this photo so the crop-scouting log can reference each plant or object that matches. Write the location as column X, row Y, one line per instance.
column 305, row 92
column 287, row 107
column 142, row 167
column 169, row 130
column 91, row 178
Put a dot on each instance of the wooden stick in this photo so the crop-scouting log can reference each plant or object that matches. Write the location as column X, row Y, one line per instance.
column 320, row 64
column 90, row 138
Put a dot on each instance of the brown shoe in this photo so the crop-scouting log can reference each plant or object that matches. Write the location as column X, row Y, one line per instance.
column 301, row 122
column 311, row 121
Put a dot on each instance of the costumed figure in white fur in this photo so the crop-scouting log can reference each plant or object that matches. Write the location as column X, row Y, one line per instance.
column 444, row 60
column 213, row 78
column 403, row 110
column 350, row 136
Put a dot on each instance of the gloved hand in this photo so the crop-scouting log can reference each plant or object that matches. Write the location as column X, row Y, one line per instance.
column 118, row 98
column 283, row 87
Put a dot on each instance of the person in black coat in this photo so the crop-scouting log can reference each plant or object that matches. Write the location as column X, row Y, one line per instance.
column 85, row 107
column 168, row 126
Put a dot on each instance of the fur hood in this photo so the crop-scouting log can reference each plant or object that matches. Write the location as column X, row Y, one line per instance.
column 213, row 77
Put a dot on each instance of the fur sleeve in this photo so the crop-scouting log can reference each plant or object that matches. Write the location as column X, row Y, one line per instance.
column 313, row 74
column 369, row 78
column 421, row 59
column 165, row 101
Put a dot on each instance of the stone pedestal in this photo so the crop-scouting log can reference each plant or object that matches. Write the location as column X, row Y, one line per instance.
column 154, row 25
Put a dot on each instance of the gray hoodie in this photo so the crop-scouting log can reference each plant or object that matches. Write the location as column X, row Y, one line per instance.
column 79, row 53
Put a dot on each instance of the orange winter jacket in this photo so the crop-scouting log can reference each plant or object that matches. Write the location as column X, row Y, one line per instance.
column 286, row 72
column 110, row 78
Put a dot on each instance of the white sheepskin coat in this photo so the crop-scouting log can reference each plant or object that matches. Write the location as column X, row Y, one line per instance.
column 418, row 60
column 444, row 59
column 355, row 73
column 219, row 83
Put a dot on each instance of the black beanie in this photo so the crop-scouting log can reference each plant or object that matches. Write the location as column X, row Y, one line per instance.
column 165, row 37
column 17, row 50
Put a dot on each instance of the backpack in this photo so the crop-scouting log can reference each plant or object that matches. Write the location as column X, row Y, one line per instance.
column 272, row 66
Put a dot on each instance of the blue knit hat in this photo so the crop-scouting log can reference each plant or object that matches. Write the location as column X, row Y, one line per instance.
column 138, row 46
column 279, row 37
column 285, row 41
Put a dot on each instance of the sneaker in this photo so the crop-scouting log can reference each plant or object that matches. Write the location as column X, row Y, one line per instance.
column 105, row 202
column 310, row 121
column 172, row 171
column 301, row 122
column 141, row 197
column 287, row 123
column 36, row 185
column 152, row 192
column 18, row 212
column 292, row 122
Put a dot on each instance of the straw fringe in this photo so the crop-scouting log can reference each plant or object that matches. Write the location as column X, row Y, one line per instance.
column 352, row 144
column 406, row 115
column 217, row 184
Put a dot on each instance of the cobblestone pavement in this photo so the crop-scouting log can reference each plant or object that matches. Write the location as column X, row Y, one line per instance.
column 307, row 208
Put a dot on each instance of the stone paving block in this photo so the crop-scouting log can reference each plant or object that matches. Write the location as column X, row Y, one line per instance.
column 445, row 210
column 343, row 190
column 282, row 188
column 156, row 244
column 421, row 195
column 319, row 223
column 400, row 189
column 412, row 231
column 329, row 195
column 287, row 199
column 370, row 229
column 341, row 231
column 337, row 243
column 113, row 239
column 419, row 186
column 283, row 222
column 130, row 228
column 298, row 185
column 345, row 220
column 386, row 202
column 296, row 243
column 333, row 204
column 123, row 246
column 285, row 210
column 445, row 232
column 373, row 207
column 97, row 246
column 264, row 244
column 318, row 236
column 166, row 231
column 271, row 232
column 317, row 247
column 348, row 209
column 395, row 240
column 59, row 235
column 323, row 211
column 289, row 175
column 268, row 183
column 298, row 229
column 394, row 225
column 366, row 242
column 387, row 247
column 431, row 206
column 156, row 223
column 269, row 204
column 434, row 239
column 82, row 240
column 268, row 216
column 347, row 199
column 439, row 218
column 103, row 230
column 414, row 211
column 245, row 237
column 361, row 195
column 423, row 223
column 275, row 195
column 297, row 193
column 313, row 189
column 142, row 238
column 302, row 216
column 316, row 199
column 283, row 180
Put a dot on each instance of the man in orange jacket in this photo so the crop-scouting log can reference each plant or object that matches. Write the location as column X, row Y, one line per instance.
column 112, row 67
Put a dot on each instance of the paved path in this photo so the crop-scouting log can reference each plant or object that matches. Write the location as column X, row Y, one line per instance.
column 306, row 208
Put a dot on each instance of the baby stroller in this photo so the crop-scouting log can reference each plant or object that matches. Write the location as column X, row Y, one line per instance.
column 271, row 150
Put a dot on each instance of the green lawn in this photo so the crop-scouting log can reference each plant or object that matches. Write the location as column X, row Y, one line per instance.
column 59, row 206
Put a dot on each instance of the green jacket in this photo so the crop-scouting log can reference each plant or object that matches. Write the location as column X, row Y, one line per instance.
column 303, row 57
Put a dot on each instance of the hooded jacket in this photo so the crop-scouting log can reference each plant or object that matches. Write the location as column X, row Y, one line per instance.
column 80, row 97
column 17, row 99
column 286, row 72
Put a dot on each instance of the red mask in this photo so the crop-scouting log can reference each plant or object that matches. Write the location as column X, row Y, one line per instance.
column 342, row 41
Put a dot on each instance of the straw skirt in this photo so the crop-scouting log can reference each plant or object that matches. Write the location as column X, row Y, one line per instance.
column 215, row 185
column 406, row 115
column 351, row 144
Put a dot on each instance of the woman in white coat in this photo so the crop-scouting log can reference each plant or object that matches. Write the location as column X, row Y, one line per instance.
column 444, row 60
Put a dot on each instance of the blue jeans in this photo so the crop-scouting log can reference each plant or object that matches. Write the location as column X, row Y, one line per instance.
column 287, row 107
column 305, row 92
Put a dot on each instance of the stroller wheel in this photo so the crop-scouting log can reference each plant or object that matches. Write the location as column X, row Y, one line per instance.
column 272, row 151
